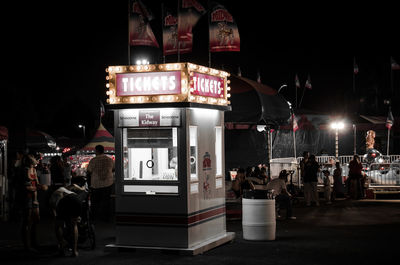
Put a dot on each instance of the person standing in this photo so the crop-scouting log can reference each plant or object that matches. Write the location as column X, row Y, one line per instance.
column 311, row 169
column 303, row 162
column 57, row 172
column 327, row 187
column 28, row 185
column 355, row 175
column 337, row 181
column 101, row 178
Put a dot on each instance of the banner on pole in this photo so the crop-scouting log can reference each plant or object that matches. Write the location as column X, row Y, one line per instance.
column 170, row 35
column 189, row 13
column 140, row 33
column 224, row 33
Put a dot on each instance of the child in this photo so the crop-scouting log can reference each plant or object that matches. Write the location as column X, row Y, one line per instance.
column 327, row 187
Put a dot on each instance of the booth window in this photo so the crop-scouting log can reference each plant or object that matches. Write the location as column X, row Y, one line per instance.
column 218, row 150
column 193, row 152
column 218, row 157
column 150, row 154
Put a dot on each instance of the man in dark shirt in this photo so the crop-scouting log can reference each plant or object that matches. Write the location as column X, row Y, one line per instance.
column 311, row 180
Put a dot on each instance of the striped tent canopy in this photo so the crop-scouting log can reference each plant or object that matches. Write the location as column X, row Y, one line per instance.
column 102, row 137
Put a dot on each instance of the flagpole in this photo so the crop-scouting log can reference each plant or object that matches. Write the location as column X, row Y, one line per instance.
column 391, row 77
column 209, row 37
column 177, row 35
column 301, row 99
column 162, row 29
column 294, row 136
column 354, row 75
column 129, row 32
column 388, row 142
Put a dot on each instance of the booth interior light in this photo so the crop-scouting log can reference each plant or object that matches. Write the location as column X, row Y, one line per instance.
column 142, row 62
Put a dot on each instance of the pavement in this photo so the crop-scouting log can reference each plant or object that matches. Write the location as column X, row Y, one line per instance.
column 345, row 232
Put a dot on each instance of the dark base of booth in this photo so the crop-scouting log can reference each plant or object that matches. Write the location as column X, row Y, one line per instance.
column 195, row 250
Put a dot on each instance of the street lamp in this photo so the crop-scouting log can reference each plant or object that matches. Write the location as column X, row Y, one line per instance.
column 263, row 127
column 337, row 125
column 282, row 86
column 83, row 128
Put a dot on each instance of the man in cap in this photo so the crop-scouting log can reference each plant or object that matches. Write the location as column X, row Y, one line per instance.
column 282, row 196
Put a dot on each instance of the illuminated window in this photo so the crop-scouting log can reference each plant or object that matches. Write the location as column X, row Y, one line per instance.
column 218, row 151
column 150, row 154
column 193, row 152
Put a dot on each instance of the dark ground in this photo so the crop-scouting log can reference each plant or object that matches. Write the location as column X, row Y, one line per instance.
column 346, row 232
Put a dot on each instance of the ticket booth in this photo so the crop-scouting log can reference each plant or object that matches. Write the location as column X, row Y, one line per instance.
column 169, row 155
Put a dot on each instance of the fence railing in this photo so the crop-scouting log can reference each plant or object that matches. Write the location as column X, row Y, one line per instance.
column 378, row 174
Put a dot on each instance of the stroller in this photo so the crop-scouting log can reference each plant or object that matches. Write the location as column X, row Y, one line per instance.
column 86, row 230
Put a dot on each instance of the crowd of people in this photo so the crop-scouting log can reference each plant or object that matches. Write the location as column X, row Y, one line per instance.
column 310, row 171
column 63, row 195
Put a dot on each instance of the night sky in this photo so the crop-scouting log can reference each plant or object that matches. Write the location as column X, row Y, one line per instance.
column 56, row 54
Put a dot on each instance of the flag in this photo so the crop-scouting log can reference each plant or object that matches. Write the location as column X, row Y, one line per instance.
column 394, row 64
column 297, row 81
column 140, row 33
column 294, row 123
column 189, row 13
column 308, row 83
column 355, row 67
column 102, row 109
column 223, row 31
column 389, row 120
column 170, row 35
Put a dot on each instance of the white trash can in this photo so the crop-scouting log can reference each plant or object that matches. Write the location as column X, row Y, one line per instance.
column 258, row 219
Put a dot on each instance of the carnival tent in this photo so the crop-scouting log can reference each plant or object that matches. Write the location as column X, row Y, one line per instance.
column 101, row 137
column 39, row 141
column 251, row 103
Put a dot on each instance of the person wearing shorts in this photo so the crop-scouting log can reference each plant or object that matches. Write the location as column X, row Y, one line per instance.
column 66, row 203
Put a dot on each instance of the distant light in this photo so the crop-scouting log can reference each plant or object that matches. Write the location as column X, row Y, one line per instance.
column 337, row 125
column 261, row 128
column 81, row 126
column 142, row 62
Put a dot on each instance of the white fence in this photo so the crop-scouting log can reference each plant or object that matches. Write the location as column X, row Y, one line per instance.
column 378, row 175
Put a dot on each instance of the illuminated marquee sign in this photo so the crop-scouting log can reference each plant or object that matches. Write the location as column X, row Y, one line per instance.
column 166, row 83
column 207, row 85
column 155, row 83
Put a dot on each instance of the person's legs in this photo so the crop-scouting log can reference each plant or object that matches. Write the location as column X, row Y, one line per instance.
column 74, row 222
column 307, row 193
column 314, row 193
column 101, row 203
column 284, row 200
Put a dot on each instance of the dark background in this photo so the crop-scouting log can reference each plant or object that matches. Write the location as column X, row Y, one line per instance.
column 56, row 54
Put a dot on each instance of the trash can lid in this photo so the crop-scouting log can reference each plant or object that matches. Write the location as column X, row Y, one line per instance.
column 257, row 194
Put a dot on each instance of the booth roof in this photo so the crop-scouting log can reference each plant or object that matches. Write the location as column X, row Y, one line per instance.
column 101, row 137
column 252, row 101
